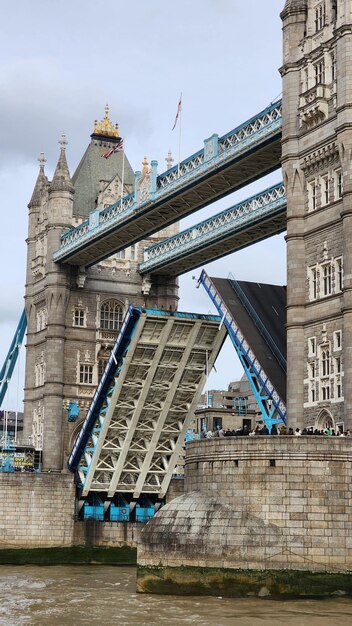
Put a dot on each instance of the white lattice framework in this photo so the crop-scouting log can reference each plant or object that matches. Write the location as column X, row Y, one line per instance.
column 221, row 225
column 138, row 436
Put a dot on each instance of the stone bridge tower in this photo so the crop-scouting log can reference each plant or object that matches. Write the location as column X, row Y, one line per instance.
column 317, row 153
column 74, row 313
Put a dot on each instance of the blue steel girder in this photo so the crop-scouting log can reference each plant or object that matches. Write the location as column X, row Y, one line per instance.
column 12, row 355
column 272, row 407
column 248, row 222
column 222, row 166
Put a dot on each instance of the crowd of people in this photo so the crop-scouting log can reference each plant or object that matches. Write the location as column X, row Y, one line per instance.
column 275, row 430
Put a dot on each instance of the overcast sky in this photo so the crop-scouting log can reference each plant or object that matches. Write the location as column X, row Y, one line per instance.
column 62, row 61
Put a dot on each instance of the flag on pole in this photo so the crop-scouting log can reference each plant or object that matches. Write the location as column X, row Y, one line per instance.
column 118, row 147
column 179, row 109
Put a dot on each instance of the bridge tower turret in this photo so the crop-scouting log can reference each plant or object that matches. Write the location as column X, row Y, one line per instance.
column 316, row 161
column 74, row 313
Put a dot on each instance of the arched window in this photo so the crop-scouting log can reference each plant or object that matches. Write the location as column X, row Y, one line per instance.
column 111, row 315
column 325, row 362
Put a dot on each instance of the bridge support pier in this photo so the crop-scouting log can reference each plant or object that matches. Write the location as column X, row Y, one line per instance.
column 257, row 518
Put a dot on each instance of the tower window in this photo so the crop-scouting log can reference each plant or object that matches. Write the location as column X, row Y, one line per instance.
column 312, row 395
column 326, row 279
column 337, row 340
column 338, row 274
column 111, row 314
column 320, row 17
column 333, row 66
column 325, row 362
column 79, row 318
column 324, row 190
column 311, row 370
column 311, row 346
column 86, row 374
column 313, row 276
column 338, row 390
column 325, row 390
column 312, row 195
column 338, row 179
column 319, row 69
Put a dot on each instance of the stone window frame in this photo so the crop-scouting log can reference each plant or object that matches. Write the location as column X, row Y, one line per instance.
column 312, row 346
column 324, row 361
column 85, row 374
column 319, row 17
column 319, row 71
column 313, row 282
column 111, row 315
column 333, row 65
column 338, row 184
column 325, row 390
column 79, row 314
column 324, row 190
column 312, row 195
column 338, row 267
column 42, row 318
column 337, row 340
column 326, row 279
column 40, row 372
column 312, row 393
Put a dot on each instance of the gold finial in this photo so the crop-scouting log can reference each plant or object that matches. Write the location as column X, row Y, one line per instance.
column 105, row 127
column 145, row 164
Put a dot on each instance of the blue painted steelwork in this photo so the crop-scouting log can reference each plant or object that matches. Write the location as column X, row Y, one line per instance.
column 217, row 154
column 95, row 416
column 144, row 510
column 121, row 511
column 272, row 407
column 241, row 404
column 236, row 219
column 8, row 458
column 11, row 358
column 94, row 509
column 73, row 411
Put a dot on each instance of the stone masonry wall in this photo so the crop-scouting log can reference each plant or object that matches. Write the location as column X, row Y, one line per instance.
column 37, row 510
column 273, row 503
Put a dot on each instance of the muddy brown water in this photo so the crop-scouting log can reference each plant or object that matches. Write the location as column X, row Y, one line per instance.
column 105, row 596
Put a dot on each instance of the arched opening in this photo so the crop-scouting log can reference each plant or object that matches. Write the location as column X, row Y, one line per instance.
column 324, row 420
column 111, row 315
column 74, row 434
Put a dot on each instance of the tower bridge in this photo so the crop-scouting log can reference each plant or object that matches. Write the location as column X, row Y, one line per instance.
column 94, row 249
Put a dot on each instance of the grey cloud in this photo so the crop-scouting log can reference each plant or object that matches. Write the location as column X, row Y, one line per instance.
column 40, row 101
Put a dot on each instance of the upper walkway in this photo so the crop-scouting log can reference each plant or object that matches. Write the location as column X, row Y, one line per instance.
column 248, row 222
column 224, row 165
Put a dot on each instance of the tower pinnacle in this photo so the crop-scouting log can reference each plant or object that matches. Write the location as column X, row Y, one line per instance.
column 62, row 179
column 106, row 128
column 40, row 183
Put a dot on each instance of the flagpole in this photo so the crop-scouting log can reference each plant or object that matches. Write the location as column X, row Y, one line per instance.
column 179, row 139
column 123, row 169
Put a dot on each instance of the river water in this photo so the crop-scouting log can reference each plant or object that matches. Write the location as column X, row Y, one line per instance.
column 105, row 596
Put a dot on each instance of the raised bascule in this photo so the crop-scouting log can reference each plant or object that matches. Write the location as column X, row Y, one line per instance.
column 113, row 370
